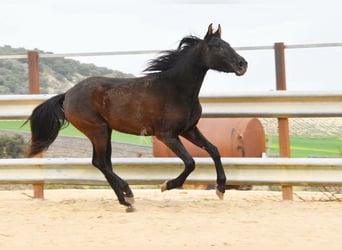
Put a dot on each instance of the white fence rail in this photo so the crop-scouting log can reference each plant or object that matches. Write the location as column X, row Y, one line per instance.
column 250, row 171
column 258, row 104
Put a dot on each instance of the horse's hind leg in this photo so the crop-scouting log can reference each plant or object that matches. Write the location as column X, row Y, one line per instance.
column 128, row 194
column 99, row 138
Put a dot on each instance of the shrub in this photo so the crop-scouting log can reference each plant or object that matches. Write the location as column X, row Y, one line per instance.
column 12, row 146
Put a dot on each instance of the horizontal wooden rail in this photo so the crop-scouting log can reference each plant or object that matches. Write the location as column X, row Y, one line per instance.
column 247, row 171
column 256, row 104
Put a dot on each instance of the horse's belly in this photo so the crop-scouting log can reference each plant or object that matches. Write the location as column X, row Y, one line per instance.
column 131, row 126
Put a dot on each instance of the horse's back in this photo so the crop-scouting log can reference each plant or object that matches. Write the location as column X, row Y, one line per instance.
column 90, row 90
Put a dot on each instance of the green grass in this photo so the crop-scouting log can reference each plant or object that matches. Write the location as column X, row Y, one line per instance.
column 70, row 130
column 302, row 146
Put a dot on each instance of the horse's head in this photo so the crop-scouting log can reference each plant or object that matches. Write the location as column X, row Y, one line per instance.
column 220, row 56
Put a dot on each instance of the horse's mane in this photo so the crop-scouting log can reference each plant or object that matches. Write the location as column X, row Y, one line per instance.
column 171, row 57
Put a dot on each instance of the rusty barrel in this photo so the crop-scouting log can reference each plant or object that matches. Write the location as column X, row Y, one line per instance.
column 234, row 137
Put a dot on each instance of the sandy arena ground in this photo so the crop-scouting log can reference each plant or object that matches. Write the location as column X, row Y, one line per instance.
column 178, row 219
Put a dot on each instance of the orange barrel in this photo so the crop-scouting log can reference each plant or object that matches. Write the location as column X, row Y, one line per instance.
column 234, row 137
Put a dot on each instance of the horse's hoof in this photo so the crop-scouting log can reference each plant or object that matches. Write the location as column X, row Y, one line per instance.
column 164, row 187
column 130, row 209
column 130, row 200
column 219, row 194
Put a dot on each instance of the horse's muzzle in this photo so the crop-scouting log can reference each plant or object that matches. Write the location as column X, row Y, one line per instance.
column 241, row 68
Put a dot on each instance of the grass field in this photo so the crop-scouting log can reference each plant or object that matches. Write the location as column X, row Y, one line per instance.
column 310, row 146
column 300, row 146
column 72, row 131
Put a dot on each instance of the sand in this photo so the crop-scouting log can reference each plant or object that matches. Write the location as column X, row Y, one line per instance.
column 177, row 219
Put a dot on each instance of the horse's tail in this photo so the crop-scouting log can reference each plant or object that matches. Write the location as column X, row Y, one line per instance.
column 46, row 120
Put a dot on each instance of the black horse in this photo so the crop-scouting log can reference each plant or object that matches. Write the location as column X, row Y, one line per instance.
column 163, row 103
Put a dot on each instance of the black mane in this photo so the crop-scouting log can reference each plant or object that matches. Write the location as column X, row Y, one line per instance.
column 171, row 57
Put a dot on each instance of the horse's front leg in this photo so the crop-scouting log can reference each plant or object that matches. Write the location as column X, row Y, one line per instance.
column 174, row 143
column 197, row 138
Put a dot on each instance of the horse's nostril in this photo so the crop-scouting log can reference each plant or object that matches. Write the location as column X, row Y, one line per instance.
column 242, row 64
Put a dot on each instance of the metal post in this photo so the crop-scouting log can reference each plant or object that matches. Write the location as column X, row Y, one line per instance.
column 34, row 88
column 283, row 123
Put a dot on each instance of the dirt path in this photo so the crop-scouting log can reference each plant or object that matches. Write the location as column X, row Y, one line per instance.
column 178, row 219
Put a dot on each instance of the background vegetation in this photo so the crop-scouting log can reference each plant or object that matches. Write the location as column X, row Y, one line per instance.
column 56, row 74
column 12, row 146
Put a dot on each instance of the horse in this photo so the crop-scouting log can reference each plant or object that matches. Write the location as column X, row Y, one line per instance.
column 163, row 102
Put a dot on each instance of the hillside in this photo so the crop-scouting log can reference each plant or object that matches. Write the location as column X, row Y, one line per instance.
column 56, row 74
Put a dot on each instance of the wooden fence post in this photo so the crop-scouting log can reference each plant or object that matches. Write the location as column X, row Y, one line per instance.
column 34, row 88
column 33, row 72
column 283, row 123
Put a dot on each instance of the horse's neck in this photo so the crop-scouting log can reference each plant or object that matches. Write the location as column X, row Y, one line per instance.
column 193, row 83
column 188, row 76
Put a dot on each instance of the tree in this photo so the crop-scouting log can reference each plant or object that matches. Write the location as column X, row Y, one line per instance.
column 56, row 74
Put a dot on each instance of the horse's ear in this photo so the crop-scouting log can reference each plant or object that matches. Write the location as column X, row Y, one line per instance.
column 218, row 31
column 209, row 32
